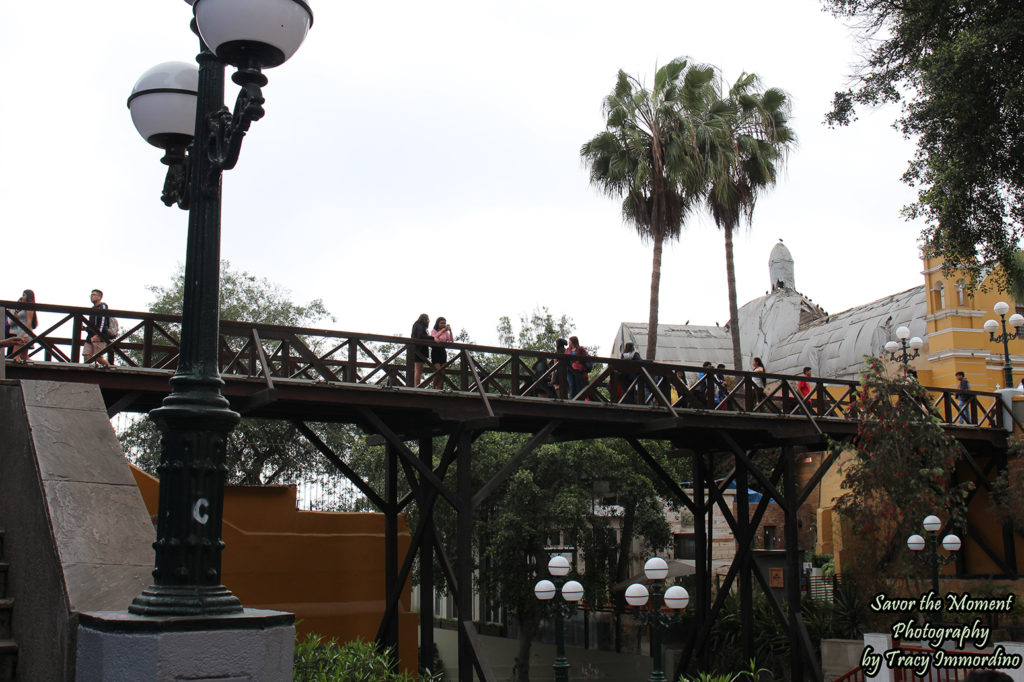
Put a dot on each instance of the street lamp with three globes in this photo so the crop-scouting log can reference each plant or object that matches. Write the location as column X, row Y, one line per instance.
column 991, row 326
column 898, row 351
column 675, row 598
column 572, row 592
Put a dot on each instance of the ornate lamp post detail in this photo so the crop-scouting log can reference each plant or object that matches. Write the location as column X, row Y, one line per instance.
column 675, row 598
column 991, row 326
column 181, row 110
column 572, row 592
column 932, row 558
column 903, row 355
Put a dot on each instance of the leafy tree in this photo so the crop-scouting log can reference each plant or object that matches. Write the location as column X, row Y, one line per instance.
column 742, row 161
column 955, row 68
column 645, row 155
column 259, row 451
column 244, row 297
column 539, row 331
column 569, row 494
column 553, row 501
column 1008, row 488
column 903, row 470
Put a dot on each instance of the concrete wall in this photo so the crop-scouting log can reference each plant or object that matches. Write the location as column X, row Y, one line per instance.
column 77, row 534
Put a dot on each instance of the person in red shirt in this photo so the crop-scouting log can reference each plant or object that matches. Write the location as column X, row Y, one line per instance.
column 803, row 385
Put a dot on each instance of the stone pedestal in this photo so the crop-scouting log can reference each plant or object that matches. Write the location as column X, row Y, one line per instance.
column 117, row 646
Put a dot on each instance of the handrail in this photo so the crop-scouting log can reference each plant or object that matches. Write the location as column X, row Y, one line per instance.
column 276, row 353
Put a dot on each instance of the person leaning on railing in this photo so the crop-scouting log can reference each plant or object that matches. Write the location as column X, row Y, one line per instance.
column 24, row 321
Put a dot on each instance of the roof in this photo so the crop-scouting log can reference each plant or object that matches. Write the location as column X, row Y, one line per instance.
column 788, row 331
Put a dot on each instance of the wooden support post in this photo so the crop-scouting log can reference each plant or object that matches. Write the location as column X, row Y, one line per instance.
column 702, row 602
column 391, row 542
column 743, row 534
column 426, row 563
column 801, row 656
column 464, row 560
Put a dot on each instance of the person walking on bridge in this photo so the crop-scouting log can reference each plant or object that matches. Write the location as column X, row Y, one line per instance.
column 963, row 388
column 97, row 336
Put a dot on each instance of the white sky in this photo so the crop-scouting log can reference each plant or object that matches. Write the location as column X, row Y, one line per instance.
column 424, row 157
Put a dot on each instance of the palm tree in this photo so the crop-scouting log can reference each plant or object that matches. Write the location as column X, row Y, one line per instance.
column 646, row 156
column 743, row 162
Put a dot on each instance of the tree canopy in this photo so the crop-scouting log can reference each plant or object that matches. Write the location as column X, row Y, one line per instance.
column 644, row 155
column 956, row 68
column 685, row 142
column 903, row 470
column 571, row 495
column 742, row 160
column 259, row 451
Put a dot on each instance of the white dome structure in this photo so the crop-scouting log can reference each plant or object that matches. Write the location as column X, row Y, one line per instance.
column 780, row 268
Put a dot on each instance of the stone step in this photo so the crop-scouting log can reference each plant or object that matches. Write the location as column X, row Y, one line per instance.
column 6, row 606
column 8, row 660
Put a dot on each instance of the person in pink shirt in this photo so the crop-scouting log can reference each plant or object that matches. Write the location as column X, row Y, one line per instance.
column 442, row 333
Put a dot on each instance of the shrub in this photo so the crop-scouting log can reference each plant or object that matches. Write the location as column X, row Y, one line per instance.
column 317, row 660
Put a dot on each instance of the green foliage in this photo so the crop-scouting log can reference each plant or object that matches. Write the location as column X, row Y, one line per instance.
column 317, row 660
column 554, row 500
column 539, row 331
column 903, row 470
column 845, row 616
column 244, row 298
column 743, row 157
column 1008, row 488
column 259, row 451
column 686, row 141
column 646, row 155
column 771, row 641
column 954, row 66
column 751, row 673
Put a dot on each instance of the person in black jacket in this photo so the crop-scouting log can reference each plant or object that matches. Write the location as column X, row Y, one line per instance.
column 97, row 337
column 420, row 353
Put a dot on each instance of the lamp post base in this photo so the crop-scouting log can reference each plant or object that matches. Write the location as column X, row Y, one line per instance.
column 114, row 646
column 186, row 600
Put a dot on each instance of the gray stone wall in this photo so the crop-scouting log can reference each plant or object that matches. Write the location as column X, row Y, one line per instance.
column 78, row 534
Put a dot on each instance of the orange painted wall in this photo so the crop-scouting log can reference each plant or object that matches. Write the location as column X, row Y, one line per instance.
column 325, row 567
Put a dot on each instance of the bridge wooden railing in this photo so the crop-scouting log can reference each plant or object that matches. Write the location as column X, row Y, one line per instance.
column 276, row 353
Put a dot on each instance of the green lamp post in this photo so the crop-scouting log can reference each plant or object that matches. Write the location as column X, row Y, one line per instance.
column 932, row 559
column 180, row 109
column 674, row 598
column 991, row 326
column 572, row 592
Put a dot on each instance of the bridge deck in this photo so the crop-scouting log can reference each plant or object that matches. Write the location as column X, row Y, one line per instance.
column 328, row 375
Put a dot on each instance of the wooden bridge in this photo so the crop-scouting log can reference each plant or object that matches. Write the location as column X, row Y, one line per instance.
column 321, row 375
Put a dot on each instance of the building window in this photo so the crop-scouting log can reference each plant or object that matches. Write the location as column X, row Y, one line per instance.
column 940, row 296
column 686, row 546
column 770, row 537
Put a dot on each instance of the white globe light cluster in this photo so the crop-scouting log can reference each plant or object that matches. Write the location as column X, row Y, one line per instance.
column 245, row 33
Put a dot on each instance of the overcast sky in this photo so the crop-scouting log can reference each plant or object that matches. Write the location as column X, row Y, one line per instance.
column 424, row 157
